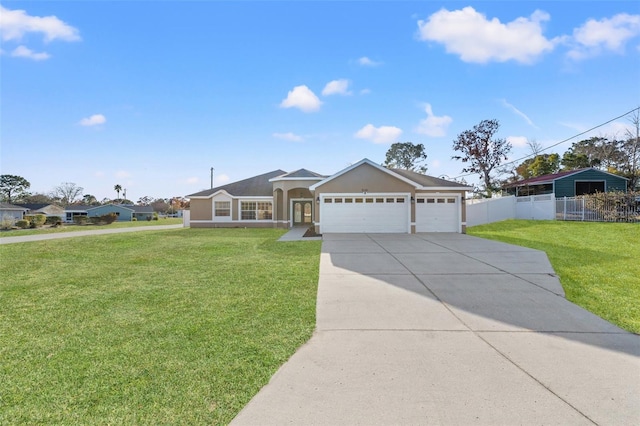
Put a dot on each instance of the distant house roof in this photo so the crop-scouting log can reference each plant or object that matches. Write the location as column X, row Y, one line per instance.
column 254, row 186
column 121, row 206
column 426, row 180
column 78, row 207
column 7, row 206
column 547, row 179
column 34, row 206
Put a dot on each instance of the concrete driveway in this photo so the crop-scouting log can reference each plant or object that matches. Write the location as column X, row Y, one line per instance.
column 454, row 330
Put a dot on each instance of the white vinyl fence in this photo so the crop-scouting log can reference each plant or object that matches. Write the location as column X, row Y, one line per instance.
column 186, row 218
column 537, row 207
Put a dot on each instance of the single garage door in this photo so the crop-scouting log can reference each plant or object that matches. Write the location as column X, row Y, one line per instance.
column 379, row 214
column 437, row 214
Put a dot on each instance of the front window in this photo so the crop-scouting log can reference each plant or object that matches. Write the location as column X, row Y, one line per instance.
column 223, row 208
column 256, row 210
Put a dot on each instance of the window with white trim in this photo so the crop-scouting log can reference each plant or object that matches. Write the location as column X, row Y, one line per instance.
column 256, row 210
column 222, row 208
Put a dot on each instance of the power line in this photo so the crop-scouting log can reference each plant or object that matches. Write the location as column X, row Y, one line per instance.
column 559, row 143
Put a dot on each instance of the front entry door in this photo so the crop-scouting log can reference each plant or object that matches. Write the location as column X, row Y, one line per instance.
column 302, row 213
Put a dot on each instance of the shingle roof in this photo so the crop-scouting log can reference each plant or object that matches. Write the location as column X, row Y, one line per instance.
column 303, row 173
column 539, row 180
column 426, row 180
column 33, row 206
column 142, row 209
column 255, row 186
column 7, row 206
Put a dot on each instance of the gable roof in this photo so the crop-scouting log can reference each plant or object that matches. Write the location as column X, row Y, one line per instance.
column 254, row 186
column 550, row 178
column 35, row 206
column 429, row 181
column 417, row 180
column 120, row 206
column 300, row 174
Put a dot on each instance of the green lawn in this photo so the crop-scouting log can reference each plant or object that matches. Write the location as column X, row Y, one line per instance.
column 162, row 327
column 72, row 227
column 598, row 263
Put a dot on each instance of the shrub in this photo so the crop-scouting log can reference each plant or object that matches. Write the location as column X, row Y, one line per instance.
column 7, row 222
column 80, row 220
column 135, row 219
column 155, row 216
column 23, row 224
column 37, row 220
column 105, row 219
column 53, row 220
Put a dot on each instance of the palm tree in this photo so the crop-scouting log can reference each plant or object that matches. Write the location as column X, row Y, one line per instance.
column 118, row 188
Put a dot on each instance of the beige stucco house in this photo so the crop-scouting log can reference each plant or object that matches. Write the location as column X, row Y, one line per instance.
column 364, row 197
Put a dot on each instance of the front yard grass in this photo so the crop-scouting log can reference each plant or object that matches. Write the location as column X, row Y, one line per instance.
column 70, row 227
column 598, row 263
column 161, row 327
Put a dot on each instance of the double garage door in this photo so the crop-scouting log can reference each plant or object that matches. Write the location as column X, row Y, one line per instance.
column 388, row 214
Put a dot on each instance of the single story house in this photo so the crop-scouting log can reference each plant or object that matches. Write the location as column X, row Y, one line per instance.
column 11, row 213
column 43, row 208
column 76, row 210
column 571, row 183
column 125, row 212
column 364, row 197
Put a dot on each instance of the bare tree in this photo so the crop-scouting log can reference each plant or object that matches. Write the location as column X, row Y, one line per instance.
column 631, row 149
column 482, row 153
column 67, row 192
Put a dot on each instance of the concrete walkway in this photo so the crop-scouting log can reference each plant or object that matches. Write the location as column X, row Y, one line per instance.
column 449, row 329
column 72, row 234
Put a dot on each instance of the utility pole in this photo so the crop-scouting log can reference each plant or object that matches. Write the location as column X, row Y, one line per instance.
column 212, row 170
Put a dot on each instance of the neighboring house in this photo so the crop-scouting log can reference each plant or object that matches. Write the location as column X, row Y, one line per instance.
column 125, row 212
column 76, row 210
column 11, row 213
column 569, row 183
column 364, row 197
column 45, row 209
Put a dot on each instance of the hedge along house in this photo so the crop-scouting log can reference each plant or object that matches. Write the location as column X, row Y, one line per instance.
column 570, row 183
column 364, row 197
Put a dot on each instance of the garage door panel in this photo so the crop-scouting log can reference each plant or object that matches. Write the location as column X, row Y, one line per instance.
column 437, row 214
column 375, row 216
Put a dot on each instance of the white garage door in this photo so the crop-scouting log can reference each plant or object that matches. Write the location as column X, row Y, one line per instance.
column 342, row 214
column 437, row 214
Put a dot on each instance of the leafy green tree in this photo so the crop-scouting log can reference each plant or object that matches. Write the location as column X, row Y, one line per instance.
column 90, row 200
column 540, row 165
column 13, row 187
column 407, row 156
column 482, row 151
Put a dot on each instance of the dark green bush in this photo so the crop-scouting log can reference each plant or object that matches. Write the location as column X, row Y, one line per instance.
column 23, row 223
column 105, row 219
column 53, row 220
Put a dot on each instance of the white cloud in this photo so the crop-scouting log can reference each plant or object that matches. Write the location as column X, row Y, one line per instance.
column 594, row 36
column 382, row 134
column 25, row 52
column 336, row 87
column 518, row 112
column 289, row 136
column 433, row 125
column 94, row 120
column 14, row 24
column 518, row 141
column 365, row 91
column 475, row 38
column 122, row 174
column 366, row 62
column 435, row 164
column 193, row 180
column 303, row 98
column 221, row 179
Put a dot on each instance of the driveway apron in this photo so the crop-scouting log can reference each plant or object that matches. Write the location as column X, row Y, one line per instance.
column 454, row 330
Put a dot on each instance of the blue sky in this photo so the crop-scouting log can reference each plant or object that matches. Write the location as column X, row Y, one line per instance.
column 152, row 94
